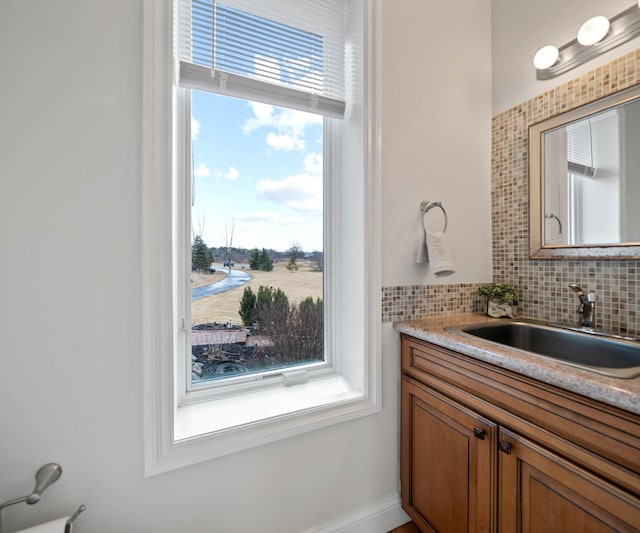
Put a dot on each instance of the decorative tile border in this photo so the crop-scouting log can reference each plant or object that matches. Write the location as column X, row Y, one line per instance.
column 543, row 284
column 422, row 301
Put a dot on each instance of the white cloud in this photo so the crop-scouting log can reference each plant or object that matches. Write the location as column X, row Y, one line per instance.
column 201, row 171
column 277, row 229
column 262, row 116
column 279, row 118
column 285, row 141
column 261, row 217
column 289, row 125
column 313, row 163
column 232, row 173
column 300, row 64
column 195, row 129
column 312, row 79
column 302, row 192
column 268, row 65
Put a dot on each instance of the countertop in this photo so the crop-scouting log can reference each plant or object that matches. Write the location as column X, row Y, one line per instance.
column 621, row 393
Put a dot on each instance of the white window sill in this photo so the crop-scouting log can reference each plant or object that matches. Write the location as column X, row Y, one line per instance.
column 232, row 413
column 219, row 427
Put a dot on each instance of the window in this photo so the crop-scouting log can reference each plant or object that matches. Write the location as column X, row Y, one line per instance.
column 247, row 67
column 257, row 200
column 187, row 422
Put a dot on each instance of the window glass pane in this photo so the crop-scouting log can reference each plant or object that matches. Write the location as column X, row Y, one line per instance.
column 255, row 46
column 295, row 44
column 257, row 237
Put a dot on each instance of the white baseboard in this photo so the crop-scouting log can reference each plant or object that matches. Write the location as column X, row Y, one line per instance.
column 380, row 517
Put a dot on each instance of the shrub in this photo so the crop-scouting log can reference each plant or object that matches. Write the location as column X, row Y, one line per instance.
column 248, row 307
column 272, row 306
column 292, row 266
column 296, row 330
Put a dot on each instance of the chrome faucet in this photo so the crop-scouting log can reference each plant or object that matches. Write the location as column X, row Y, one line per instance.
column 587, row 308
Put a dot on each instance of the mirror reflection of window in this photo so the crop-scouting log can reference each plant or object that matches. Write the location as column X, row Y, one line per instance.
column 593, row 171
column 592, row 179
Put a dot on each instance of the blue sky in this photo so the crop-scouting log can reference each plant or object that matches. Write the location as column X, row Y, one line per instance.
column 258, row 169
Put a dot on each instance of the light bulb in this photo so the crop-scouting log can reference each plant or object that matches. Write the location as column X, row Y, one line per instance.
column 546, row 56
column 593, row 30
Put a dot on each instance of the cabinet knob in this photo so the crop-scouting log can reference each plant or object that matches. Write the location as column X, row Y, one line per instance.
column 504, row 447
column 479, row 433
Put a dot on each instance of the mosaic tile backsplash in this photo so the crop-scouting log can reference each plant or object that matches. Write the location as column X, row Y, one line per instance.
column 422, row 301
column 543, row 284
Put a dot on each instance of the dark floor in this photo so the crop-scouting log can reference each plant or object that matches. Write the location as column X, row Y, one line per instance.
column 409, row 527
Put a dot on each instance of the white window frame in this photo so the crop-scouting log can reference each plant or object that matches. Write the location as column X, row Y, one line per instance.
column 234, row 385
column 181, row 434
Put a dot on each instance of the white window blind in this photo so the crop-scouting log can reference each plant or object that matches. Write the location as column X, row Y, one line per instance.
column 580, row 149
column 279, row 52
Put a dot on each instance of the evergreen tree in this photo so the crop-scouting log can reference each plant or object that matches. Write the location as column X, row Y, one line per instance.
column 272, row 307
column 264, row 298
column 260, row 260
column 292, row 266
column 265, row 262
column 248, row 307
column 201, row 257
column 254, row 261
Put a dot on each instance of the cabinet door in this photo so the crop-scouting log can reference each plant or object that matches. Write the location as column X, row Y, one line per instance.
column 448, row 463
column 540, row 492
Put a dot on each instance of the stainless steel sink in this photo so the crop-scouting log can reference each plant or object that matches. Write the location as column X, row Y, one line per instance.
column 612, row 357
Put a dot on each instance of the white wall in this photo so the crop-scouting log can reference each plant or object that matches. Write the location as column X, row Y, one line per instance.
column 521, row 27
column 70, row 231
column 436, row 136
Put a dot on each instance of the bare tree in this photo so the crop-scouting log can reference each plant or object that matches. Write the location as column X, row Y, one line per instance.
column 295, row 252
column 228, row 234
column 228, row 239
column 201, row 225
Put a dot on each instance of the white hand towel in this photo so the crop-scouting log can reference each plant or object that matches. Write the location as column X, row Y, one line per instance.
column 422, row 256
column 55, row 526
column 439, row 255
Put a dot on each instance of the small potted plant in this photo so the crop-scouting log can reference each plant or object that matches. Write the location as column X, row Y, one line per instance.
column 502, row 299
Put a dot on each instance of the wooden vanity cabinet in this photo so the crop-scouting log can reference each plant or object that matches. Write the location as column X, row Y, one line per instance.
column 448, row 478
column 540, row 491
column 485, row 450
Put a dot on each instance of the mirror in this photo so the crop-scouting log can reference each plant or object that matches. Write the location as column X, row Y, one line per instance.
column 584, row 181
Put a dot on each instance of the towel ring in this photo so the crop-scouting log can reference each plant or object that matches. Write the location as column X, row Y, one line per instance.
column 425, row 206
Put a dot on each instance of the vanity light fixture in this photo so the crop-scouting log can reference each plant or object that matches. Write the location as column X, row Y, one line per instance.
column 593, row 31
column 596, row 36
column 546, row 56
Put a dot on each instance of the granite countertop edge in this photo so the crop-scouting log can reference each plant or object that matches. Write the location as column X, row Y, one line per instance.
column 621, row 393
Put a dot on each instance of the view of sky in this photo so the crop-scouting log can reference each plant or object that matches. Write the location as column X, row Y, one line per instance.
column 257, row 169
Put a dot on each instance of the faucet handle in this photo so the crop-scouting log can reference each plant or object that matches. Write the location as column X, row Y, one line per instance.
column 579, row 292
column 592, row 297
